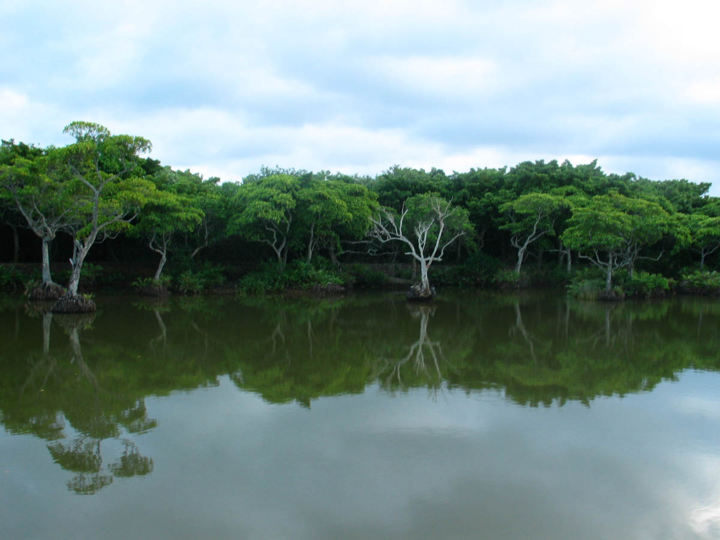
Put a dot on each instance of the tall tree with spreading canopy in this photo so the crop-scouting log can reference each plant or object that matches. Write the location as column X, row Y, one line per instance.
column 110, row 193
column 265, row 212
column 704, row 232
column 159, row 221
column 9, row 214
column 597, row 232
column 330, row 210
column 205, row 194
column 427, row 224
column 37, row 186
column 531, row 216
column 611, row 230
column 650, row 223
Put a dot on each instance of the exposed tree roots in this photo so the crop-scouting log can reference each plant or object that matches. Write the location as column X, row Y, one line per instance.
column 610, row 296
column 418, row 294
column 47, row 292
column 74, row 304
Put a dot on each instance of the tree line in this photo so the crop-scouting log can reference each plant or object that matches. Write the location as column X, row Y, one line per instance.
column 489, row 222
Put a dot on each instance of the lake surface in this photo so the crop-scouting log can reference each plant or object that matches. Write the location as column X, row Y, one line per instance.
column 493, row 417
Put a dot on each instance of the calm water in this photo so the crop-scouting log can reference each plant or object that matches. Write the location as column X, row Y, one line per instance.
column 490, row 417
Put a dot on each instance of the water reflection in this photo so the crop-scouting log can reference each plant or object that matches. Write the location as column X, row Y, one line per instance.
column 424, row 362
column 63, row 401
column 85, row 394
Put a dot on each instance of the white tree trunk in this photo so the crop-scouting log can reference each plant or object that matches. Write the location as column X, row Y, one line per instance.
column 46, row 276
column 161, row 265
column 424, row 280
column 521, row 256
column 81, row 251
column 608, row 277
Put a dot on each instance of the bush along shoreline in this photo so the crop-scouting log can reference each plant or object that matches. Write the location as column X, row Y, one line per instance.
column 322, row 278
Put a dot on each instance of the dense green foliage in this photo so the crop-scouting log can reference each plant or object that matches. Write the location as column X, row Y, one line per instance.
column 505, row 228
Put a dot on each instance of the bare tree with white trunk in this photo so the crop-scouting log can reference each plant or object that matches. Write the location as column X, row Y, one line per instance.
column 427, row 225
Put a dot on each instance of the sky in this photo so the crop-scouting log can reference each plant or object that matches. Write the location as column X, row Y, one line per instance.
column 225, row 87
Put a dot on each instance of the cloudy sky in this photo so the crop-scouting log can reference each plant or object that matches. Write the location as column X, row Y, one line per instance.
column 224, row 87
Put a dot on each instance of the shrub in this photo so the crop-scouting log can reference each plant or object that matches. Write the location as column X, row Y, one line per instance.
column 364, row 276
column 189, row 283
column 205, row 276
column 151, row 286
column 510, row 279
column 588, row 273
column 480, row 269
column 211, row 275
column 549, row 275
column 297, row 275
column 646, row 285
column 145, row 282
column 12, row 279
column 700, row 282
column 450, row 275
column 303, row 275
column 268, row 279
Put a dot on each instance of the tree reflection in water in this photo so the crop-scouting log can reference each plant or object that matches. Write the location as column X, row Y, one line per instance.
column 424, row 357
column 82, row 454
column 85, row 396
column 62, row 400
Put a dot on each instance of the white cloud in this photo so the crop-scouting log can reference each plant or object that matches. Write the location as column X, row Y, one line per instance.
column 685, row 32
column 25, row 120
column 705, row 92
column 445, row 76
column 361, row 85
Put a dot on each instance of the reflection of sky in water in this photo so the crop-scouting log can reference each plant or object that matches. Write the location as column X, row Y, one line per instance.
column 418, row 465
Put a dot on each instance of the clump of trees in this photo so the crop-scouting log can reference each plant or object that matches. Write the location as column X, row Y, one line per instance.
column 494, row 227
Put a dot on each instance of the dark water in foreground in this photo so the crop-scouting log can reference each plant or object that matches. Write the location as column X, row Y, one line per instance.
column 524, row 417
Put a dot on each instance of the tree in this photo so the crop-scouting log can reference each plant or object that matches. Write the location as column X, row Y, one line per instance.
column 110, row 194
column 597, row 231
column 611, row 230
column 649, row 223
column 9, row 214
column 167, row 215
column 684, row 196
column 475, row 191
column 398, row 184
column 333, row 209
column 265, row 210
column 427, row 225
column 532, row 216
column 38, row 188
column 206, row 195
column 704, row 234
column 572, row 196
